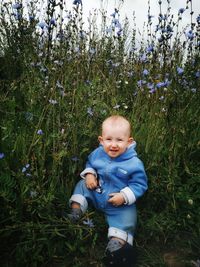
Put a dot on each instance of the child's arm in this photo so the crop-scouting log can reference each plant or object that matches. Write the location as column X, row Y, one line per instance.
column 117, row 199
column 91, row 181
column 90, row 175
column 137, row 184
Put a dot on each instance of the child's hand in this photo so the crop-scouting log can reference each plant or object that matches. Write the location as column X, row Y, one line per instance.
column 91, row 181
column 117, row 199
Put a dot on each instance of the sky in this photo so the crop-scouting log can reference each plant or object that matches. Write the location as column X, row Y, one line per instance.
column 140, row 7
column 140, row 10
column 127, row 8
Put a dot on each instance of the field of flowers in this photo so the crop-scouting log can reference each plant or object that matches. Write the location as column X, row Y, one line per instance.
column 58, row 81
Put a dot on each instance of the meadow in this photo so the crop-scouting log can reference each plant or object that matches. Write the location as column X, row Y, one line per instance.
column 58, row 81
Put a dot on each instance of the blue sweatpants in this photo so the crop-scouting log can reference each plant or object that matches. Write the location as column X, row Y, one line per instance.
column 121, row 220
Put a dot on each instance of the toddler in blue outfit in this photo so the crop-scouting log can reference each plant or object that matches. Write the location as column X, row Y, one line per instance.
column 113, row 180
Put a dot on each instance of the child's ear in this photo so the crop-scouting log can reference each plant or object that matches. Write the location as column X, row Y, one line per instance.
column 130, row 140
column 100, row 138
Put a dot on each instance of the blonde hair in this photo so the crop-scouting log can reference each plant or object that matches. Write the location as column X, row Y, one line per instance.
column 117, row 119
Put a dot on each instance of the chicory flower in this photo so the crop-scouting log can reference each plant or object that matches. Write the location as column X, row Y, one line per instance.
column 2, row 155
column 179, row 71
column 40, row 132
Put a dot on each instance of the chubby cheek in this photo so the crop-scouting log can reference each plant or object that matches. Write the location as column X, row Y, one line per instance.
column 107, row 147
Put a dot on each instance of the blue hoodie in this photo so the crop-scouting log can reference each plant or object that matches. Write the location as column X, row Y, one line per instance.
column 124, row 173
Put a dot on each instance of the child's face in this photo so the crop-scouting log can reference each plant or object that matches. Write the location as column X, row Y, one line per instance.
column 115, row 138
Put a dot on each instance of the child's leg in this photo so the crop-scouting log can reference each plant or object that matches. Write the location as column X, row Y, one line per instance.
column 122, row 224
column 79, row 197
column 79, row 200
column 75, row 205
column 75, row 213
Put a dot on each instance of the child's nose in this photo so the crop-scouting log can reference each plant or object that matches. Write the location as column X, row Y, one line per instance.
column 114, row 144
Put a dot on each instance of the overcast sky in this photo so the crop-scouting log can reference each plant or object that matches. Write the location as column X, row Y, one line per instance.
column 140, row 7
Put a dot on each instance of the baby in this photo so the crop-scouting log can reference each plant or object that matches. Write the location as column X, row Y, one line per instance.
column 114, row 178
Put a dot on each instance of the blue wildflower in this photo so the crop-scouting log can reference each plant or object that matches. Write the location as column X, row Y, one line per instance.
column 31, row 18
column 59, row 85
column 143, row 58
column 197, row 74
column 89, row 223
column 153, row 90
column 75, row 158
column 17, row 6
column 145, row 72
column 150, row 85
column 25, row 168
column 92, row 51
column 108, row 30
column 40, row 132
column 42, row 25
column 53, row 22
column 166, row 82
column 194, row 90
column 190, row 35
column 119, row 32
column 114, row 13
column 2, row 155
column 116, row 22
column 18, row 16
column 181, row 11
column 160, row 84
column 90, row 111
column 77, row 2
column 179, row 71
column 149, row 49
column 141, row 82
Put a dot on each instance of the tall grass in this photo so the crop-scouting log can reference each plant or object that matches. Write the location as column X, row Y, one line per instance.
column 58, row 82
